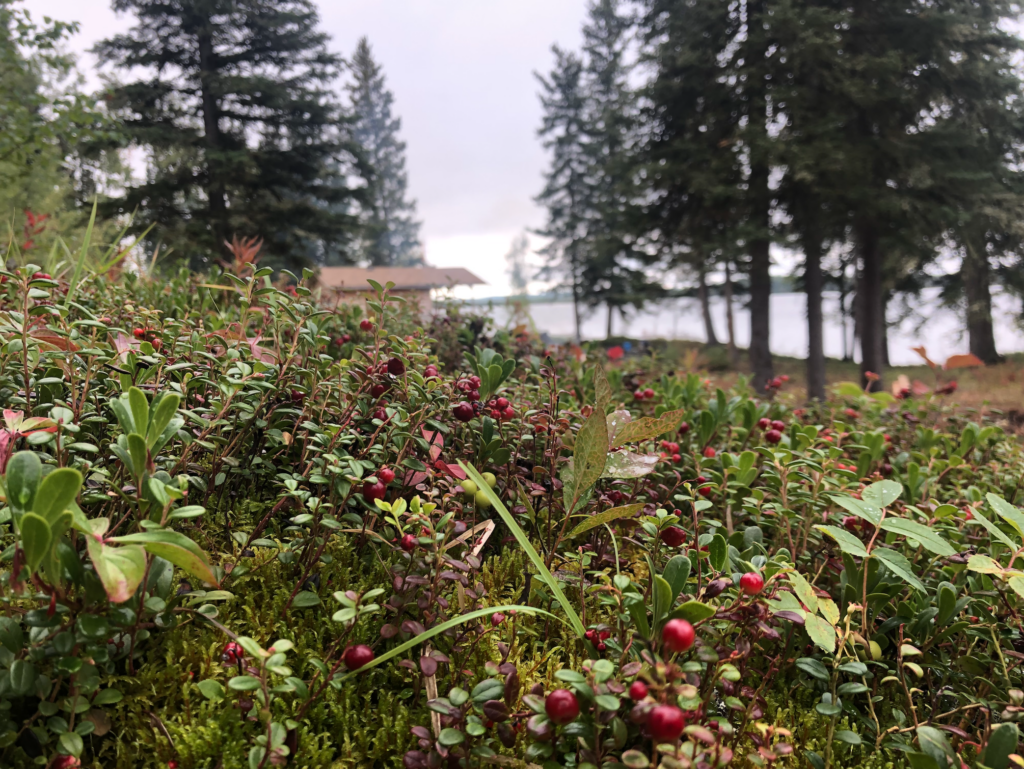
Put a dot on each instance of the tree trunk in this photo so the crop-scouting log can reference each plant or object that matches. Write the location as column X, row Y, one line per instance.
column 813, row 284
column 705, row 308
column 870, row 307
column 977, row 290
column 734, row 357
column 608, row 327
column 885, row 329
column 215, row 192
column 760, row 302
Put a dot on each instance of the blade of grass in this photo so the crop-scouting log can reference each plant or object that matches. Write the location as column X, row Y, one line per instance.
column 524, row 542
column 80, row 264
column 426, row 635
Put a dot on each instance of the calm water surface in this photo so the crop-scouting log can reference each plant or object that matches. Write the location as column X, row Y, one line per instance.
column 938, row 328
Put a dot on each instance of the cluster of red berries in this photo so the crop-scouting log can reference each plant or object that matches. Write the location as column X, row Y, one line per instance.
column 672, row 448
column 385, row 475
column 644, row 395
column 146, row 335
column 501, row 409
column 598, row 637
column 776, row 383
column 470, row 386
column 430, row 372
column 773, row 429
column 343, row 339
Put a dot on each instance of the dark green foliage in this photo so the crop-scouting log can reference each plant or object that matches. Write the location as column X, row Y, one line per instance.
column 236, row 111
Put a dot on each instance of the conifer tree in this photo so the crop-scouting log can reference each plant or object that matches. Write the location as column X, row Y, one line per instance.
column 566, row 190
column 389, row 233
column 233, row 105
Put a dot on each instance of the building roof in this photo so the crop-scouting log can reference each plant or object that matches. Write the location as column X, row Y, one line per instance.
column 404, row 278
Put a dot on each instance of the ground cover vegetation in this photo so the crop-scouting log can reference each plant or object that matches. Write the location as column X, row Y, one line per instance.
column 242, row 530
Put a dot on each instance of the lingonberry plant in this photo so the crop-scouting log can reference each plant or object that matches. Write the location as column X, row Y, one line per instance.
column 246, row 526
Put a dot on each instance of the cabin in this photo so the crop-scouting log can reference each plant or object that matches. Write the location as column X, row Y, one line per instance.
column 414, row 284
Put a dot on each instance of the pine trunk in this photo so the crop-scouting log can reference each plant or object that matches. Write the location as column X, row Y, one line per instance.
column 734, row 357
column 870, row 307
column 215, row 192
column 705, row 309
column 760, row 299
column 978, row 292
column 813, row 284
column 608, row 327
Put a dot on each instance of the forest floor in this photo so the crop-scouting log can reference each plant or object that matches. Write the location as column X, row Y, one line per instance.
column 999, row 387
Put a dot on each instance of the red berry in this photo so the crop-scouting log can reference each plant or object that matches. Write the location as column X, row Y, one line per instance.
column 779, row 425
column 386, row 475
column 377, row 390
column 463, row 412
column 601, row 647
column 139, row 333
column 705, row 491
column 495, row 414
column 773, row 436
column 673, row 536
column 396, row 367
column 637, row 691
column 172, row 765
column 701, row 479
column 684, row 428
column 784, row 377
column 851, row 522
column 366, row 325
column 508, row 413
column 41, row 276
column 65, row 762
column 709, row 453
column 356, row 657
column 639, row 395
column 346, row 338
column 561, row 706
column 408, row 543
column 764, row 423
column 475, row 381
column 380, row 414
column 677, row 635
column 751, row 583
column 232, row 652
column 777, row 382
column 673, row 447
column 501, row 403
column 374, row 490
column 297, row 396
column 968, row 515
column 648, row 393
column 666, row 723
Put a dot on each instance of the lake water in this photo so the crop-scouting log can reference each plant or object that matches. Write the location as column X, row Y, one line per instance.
column 938, row 328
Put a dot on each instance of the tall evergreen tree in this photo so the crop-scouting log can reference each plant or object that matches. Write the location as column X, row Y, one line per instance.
column 566, row 190
column 235, row 110
column 613, row 271
column 690, row 154
column 389, row 231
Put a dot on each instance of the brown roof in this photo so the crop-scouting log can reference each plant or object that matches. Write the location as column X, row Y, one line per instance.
column 404, row 278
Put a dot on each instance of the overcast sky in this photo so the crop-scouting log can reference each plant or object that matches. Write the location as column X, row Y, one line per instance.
column 462, row 75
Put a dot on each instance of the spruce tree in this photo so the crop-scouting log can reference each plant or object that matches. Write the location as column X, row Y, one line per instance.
column 613, row 272
column 389, row 233
column 566, row 190
column 234, row 107
column 690, row 157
